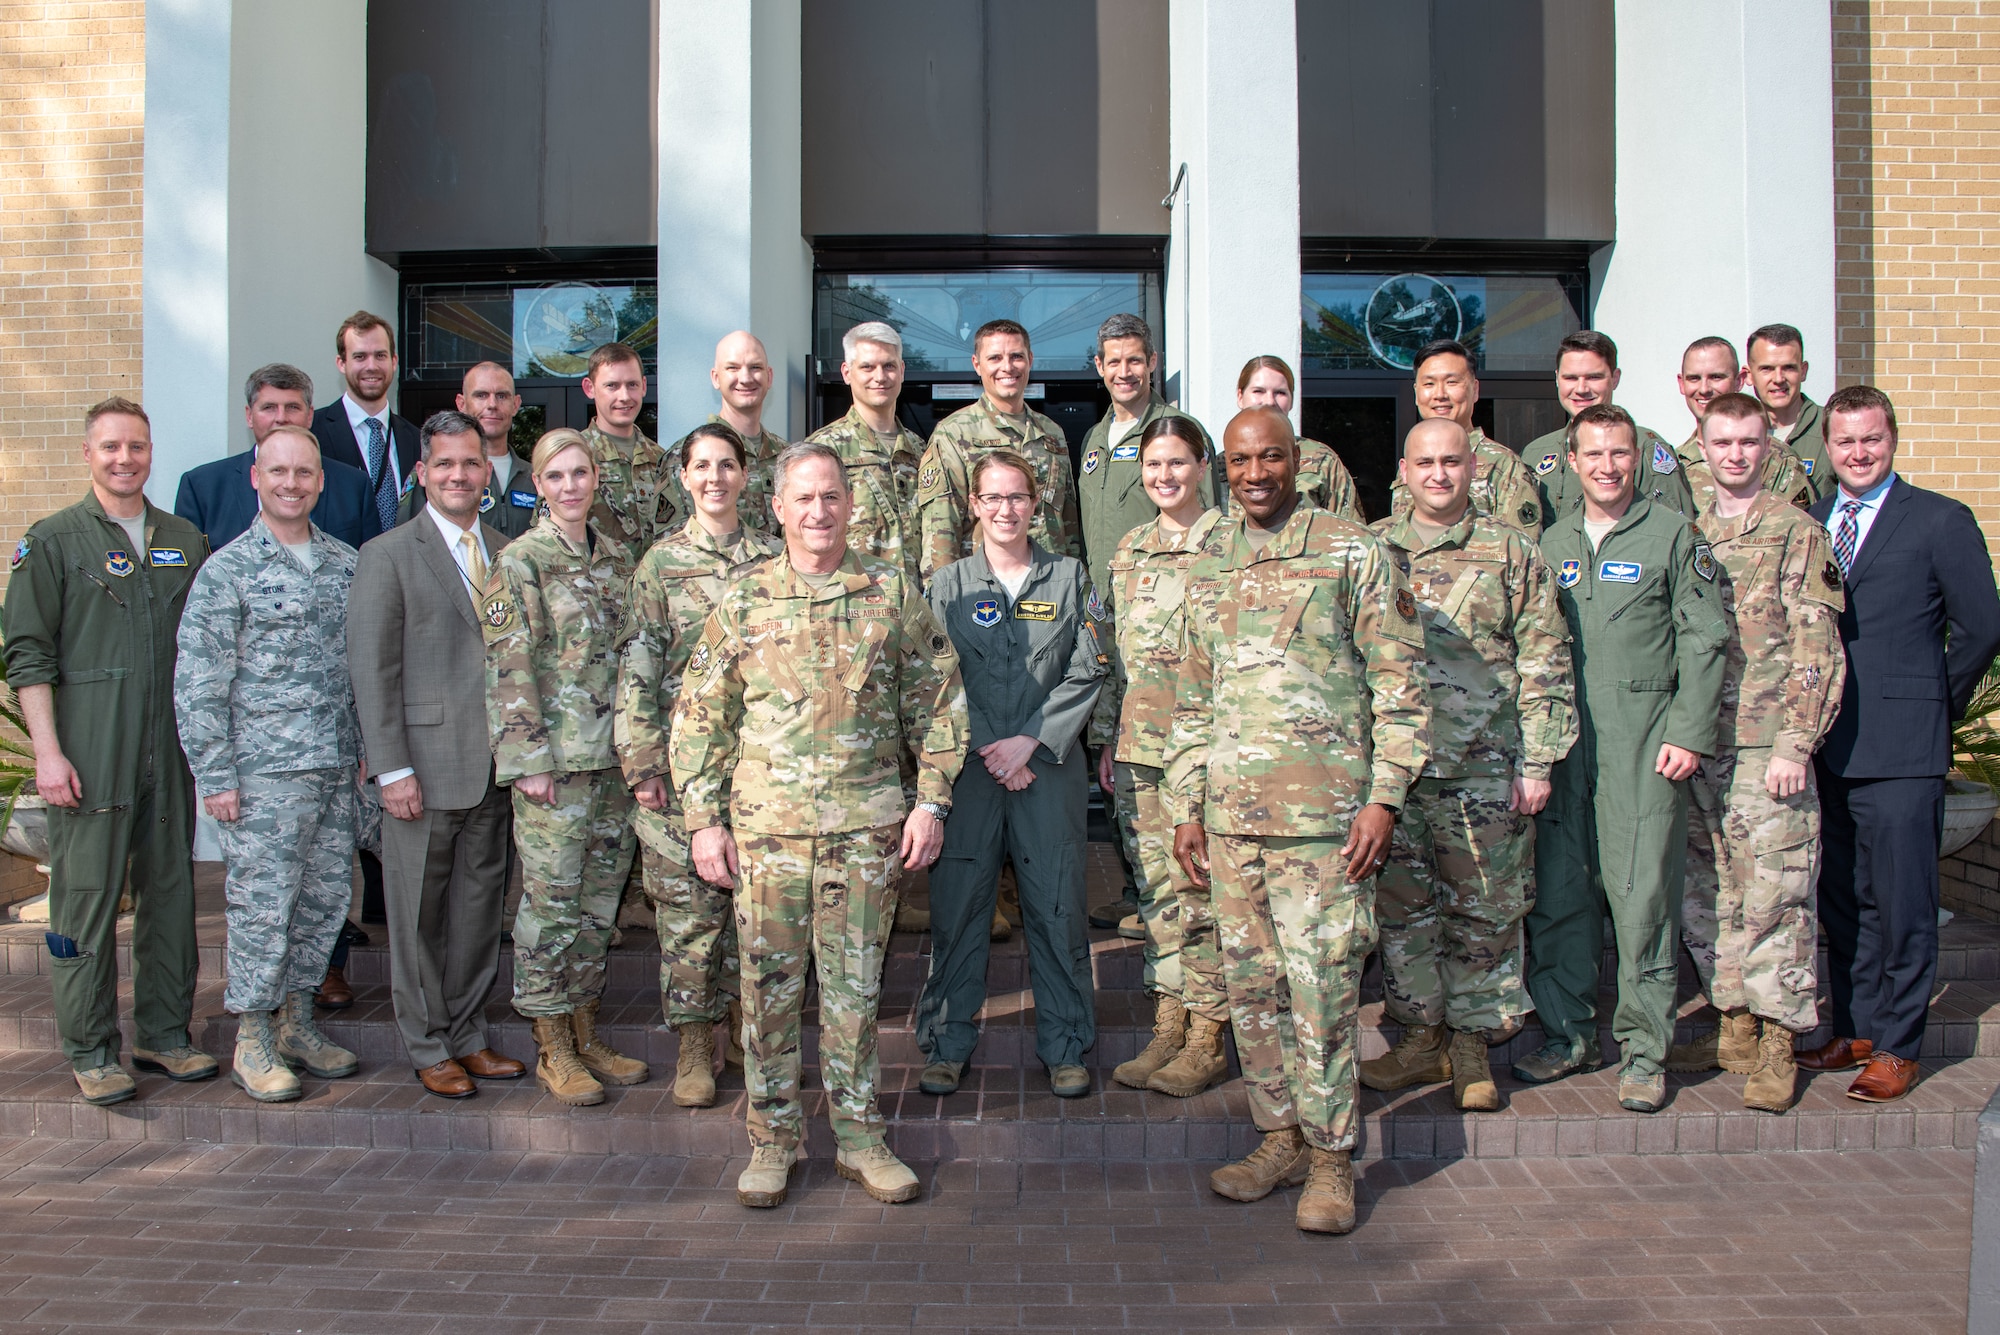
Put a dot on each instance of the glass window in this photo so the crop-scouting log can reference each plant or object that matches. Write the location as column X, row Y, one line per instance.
column 937, row 313
column 1372, row 322
column 537, row 330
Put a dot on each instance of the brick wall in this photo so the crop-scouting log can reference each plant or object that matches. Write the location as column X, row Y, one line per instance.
column 1917, row 169
column 72, row 112
column 1969, row 880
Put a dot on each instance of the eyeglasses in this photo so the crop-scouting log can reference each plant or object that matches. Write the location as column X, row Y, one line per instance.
column 1013, row 500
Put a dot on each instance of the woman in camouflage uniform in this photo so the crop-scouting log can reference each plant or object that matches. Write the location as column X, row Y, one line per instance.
column 1266, row 382
column 552, row 611
column 678, row 583
column 1145, row 588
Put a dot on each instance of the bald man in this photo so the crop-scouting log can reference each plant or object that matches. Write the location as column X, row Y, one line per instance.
column 742, row 375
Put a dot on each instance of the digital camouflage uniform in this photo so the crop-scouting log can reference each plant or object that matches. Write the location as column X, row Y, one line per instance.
column 638, row 493
column 1302, row 700
column 1783, row 476
column 753, row 505
column 1146, row 591
column 1646, row 635
column 944, row 482
column 678, row 583
column 1460, row 875
column 1659, row 477
column 1753, row 859
column 883, row 482
column 551, row 616
column 798, row 706
column 266, row 709
column 1502, row 487
column 97, row 621
column 1032, row 666
column 1324, row 480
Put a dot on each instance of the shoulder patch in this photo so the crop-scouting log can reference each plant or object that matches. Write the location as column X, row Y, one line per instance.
column 1547, row 463
column 1831, row 576
column 1406, row 605
column 21, row 550
column 1569, row 574
column 1663, row 458
column 1090, row 461
column 1530, row 512
column 930, row 481
column 940, row 644
column 1095, row 607
column 500, row 615
column 1704, row 561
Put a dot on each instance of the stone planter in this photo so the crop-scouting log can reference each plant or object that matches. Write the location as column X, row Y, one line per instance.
column 1968, row 809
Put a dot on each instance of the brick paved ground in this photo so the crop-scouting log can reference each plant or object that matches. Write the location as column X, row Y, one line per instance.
column 104, row 1236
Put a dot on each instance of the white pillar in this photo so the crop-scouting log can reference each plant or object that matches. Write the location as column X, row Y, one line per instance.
column 1233, row 257
column 1725, row 194
column 256, row 139
column 731, row 252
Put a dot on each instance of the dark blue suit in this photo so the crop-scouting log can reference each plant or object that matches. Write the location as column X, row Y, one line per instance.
column 1923, row 567
column 338, row 445
column 218, row 499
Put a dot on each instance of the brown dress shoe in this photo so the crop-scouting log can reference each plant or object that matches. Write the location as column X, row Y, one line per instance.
column 448, row 1080
column 334, row 993
column 1885, row 1079
column 1839, row 1054
column 486, row 1064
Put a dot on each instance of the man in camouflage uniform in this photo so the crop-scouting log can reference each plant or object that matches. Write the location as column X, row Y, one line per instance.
column 1753, row 833
column 816, row 675
column 1587, row 374
column 1301, row 722
column 1461, row 870
column 1001, row 419
column 1447, row 386
column 267, row 718
column 93, row 605
column 742, row 376
column 879, row 452
column 1708, row 370
column 1776, row 374
column 636, row 500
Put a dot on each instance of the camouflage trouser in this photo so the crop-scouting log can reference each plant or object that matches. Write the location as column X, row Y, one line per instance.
column 289, row 863
column 1181, row 957
column 1747, row 916
column 828, row 900
column 696, row 923
column 1295, row 933
column 575, row 854
column 1460, row 878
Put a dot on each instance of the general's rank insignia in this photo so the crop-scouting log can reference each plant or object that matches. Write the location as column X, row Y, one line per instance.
column 486, row 502
column 1548, row 462
column 1569, row 574
column 21, row 550
column 118, row 563
column 1091, row 461
column 1704, row 561
column 986, row 612
column 1663, row 459
column 1831, row 575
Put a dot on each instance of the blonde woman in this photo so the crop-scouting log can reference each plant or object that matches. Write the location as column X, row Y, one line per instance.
column 553, row 608
column 1267, row 382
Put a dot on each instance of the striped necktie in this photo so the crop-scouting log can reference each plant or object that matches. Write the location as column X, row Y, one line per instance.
column 1847, row 535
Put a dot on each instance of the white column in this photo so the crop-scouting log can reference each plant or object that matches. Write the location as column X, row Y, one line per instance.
column 731, row 252
column 1725, row 193
column 256, row 142
column 1233, row 258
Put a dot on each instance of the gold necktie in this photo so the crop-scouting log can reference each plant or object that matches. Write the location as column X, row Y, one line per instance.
column 475, row 565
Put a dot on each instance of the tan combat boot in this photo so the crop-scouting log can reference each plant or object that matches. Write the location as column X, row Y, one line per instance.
column 1201, row 1061
column 1281, row 1161
column 1170, row 1024
column 600, row 1058
column 1732, row 1046
column 1773, row 1086
column 556, row 1066
column 258, row 1068
column 1472, row 1087
column 300, row 1041
column 1327, row 1203
column 1419, row 1059
column 732, row 1044
column 694, row 1073
column 880, row 1173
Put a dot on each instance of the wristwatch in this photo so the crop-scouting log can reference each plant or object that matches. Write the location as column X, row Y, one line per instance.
column 940, row 811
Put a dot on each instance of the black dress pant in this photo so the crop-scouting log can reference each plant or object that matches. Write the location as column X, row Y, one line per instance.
column 1878, row 899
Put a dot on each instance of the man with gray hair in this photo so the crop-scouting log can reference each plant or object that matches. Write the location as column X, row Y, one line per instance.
column 878, row 451
column 217, row 497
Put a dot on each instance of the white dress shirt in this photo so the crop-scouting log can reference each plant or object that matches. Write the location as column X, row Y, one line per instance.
column 451, row 534
column 1864, row 518
column 358, row 419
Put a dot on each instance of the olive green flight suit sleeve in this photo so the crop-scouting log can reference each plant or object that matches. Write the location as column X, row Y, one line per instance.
column 34, row 614
column 1068, row 707
column 1700, row 636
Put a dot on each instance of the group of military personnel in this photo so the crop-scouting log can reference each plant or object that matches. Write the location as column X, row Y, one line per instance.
column 782, row 677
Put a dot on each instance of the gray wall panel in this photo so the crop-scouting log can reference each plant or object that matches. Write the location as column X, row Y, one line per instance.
column 599, row 167
column 1133, row 173
column 1364, row 118
column 1578, row 128
column 1041, row 117
column 1487, row 176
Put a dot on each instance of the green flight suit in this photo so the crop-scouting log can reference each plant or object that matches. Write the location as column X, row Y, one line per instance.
column 1660, row 477
column 1032, row 666
column 1113, row 504
column 99, row 622
column 1808, row 442
column 1647, row 631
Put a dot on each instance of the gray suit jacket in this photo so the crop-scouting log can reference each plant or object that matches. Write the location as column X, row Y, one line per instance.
column 418, row 661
